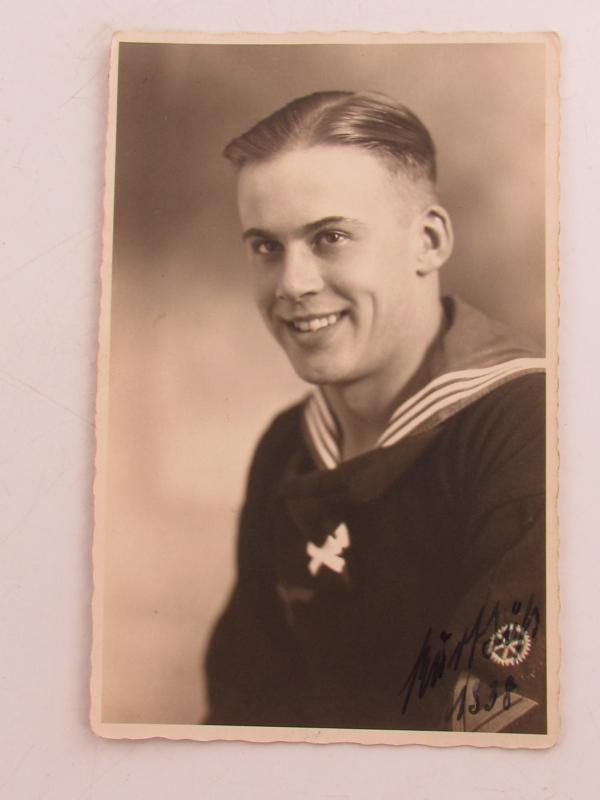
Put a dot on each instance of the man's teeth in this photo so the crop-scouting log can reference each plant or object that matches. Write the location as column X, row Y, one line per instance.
column 316, row 323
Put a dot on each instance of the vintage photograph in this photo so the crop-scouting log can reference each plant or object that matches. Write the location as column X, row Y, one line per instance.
column 326, row 473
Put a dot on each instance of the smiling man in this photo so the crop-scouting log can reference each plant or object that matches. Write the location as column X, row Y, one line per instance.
column 391, row 548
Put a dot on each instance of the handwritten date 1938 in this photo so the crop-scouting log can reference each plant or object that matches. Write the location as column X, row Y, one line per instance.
column 460, row 704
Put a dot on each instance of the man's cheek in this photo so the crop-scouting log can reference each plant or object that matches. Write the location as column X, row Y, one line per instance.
column 265, row 309
column 262, row 299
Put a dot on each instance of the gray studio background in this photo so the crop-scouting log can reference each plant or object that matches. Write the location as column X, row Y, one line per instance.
column 194, row 378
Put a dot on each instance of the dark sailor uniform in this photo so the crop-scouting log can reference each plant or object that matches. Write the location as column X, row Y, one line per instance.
column 403, row 588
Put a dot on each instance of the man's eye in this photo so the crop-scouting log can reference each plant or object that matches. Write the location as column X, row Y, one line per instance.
column 266, row 247
column 330, row 238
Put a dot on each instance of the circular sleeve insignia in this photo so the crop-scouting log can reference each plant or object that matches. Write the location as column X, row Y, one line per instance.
column 510, row 645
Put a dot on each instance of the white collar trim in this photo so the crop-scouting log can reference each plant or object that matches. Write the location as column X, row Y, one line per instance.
column 435, row 402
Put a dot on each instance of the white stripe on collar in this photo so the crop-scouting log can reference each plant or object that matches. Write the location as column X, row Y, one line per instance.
column 438, row 400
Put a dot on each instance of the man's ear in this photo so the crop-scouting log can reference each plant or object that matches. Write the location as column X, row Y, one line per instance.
column 436, row 239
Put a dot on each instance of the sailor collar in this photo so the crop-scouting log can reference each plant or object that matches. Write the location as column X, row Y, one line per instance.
column 475, row 356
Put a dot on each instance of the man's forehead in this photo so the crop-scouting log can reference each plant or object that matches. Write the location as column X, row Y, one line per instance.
column 311, row 183
column 328, row 164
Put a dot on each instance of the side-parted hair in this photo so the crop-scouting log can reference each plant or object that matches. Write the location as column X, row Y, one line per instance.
column 361, row 119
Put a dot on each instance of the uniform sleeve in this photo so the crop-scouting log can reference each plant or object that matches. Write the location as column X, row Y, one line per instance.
column 252, row 666
column 500, row 623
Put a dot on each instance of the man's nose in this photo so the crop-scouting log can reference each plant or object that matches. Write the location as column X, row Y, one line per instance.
column 300, row 274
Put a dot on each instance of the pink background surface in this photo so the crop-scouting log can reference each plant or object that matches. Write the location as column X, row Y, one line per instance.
column 53, row 83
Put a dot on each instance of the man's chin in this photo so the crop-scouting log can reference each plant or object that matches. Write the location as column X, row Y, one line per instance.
column 319, row 374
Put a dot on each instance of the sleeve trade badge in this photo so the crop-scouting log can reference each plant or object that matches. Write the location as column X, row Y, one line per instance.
column 509, row 646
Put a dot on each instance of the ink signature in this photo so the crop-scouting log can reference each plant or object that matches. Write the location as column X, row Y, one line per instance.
column 434, row 660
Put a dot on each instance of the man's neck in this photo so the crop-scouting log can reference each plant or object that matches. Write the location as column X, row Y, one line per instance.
column 363, row 408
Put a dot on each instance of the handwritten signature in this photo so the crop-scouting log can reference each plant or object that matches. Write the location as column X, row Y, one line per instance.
column 434, row 661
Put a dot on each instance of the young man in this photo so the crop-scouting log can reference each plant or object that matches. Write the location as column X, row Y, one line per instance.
column 392, row 546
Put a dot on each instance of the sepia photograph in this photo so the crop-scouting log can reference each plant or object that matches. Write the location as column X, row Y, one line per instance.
column 326, row 468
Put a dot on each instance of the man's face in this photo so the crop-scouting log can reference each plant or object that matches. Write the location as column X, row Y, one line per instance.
column 332, row 241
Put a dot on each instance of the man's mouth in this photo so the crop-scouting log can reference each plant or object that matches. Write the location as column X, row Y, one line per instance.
column 312, row 323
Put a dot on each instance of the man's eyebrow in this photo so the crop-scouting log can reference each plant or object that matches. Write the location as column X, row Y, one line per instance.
column 310, row 227
column 257, row 233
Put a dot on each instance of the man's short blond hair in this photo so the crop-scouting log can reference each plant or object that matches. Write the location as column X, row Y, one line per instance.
column 361, row 119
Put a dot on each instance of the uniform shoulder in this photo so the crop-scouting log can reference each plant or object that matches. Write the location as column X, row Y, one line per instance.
column 517, row 405
column 282, row 425
column 273, row 448
column 501, row 439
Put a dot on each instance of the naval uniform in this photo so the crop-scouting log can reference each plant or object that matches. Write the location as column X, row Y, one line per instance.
column 403, row 588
